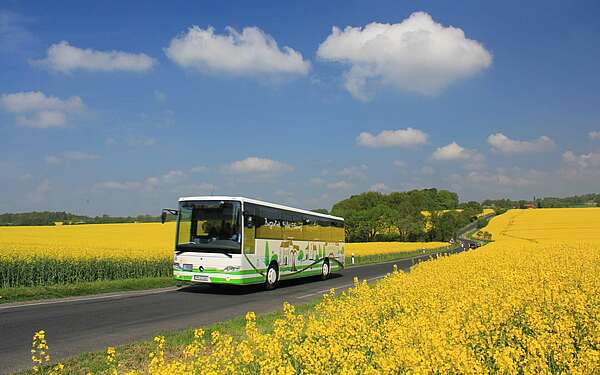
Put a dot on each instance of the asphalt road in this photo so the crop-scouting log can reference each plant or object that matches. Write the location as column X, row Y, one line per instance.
column 92, row 323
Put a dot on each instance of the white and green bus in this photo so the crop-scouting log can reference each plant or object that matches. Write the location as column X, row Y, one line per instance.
column 241, row 241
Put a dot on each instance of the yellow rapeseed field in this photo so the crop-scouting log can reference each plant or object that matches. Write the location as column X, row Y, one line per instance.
column 129, row 240
column 527, row 303
column 547, row 226
column 68, row 254
column 375, row 248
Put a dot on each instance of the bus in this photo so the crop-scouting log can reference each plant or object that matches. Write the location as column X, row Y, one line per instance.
column 243, row 241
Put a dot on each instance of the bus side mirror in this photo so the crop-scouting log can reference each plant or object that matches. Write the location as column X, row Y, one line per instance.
column 165, row 211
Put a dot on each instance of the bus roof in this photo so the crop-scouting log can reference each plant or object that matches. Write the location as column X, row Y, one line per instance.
column 255, row 201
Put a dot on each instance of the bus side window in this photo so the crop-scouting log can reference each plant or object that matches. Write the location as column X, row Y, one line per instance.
column 340, row 234
column 324, row 230
column 250, row 223
column 271, row 224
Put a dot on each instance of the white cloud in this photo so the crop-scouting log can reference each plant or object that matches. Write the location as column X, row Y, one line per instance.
column 51, row 159
column 70, row 155
column 379, row 187
column 505, row 145
column 316, row 181
column 589, row 160
column 37, row 110
column 393, row 138
column 417, row 55
column 199, row 169
column 399, row 164
column 79, row 155
column 142, row 141
column 355, row 171
column 65, row 58
column 31, row 101
column 453, row 151
column 117, row 185
column 581, row 167
column 255, row 164
column 339, row 185
column 43, row 119
column 250, row 52
column 594, row 135
column 174, row 180
column 500, row 177
column 194, row 188
column 170, row 178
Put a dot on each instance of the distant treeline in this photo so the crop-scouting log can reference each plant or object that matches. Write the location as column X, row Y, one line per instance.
column 585, row 200
column 50, row 218
column 416, row 215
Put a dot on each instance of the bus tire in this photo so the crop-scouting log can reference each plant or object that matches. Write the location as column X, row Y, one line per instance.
column 325, row 269
column 272, row 276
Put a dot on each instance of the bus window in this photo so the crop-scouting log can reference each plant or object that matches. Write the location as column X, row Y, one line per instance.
column 292, row 228
column 250, row 219
column 310, row 229
column 270, row 225
column 339, row 233
column 324, row 229
column 209, row 226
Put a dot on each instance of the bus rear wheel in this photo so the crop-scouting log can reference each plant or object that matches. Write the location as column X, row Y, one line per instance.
column 272, row 276
column 325, row 270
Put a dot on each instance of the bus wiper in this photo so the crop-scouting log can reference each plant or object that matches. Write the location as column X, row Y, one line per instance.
column 229, row 255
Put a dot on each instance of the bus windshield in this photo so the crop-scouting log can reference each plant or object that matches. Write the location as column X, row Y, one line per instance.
column 209, row 226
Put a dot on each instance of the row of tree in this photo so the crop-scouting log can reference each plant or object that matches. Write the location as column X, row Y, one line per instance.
column 584, row 200
column 50, row 218
column 416, row 215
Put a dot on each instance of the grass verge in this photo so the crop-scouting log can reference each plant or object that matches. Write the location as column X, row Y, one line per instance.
column 17, row 294
column 135, row 355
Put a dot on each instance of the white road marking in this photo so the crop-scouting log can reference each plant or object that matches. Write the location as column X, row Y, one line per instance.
column 336, row 288
column 84, row 298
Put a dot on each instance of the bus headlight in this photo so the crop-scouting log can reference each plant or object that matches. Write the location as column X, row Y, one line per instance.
column 231, row 269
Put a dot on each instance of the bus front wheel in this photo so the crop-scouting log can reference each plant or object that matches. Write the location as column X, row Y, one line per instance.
column 325, row 270
column 272, row 276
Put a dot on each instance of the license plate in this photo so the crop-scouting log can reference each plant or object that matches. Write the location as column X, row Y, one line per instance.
column 200, row 278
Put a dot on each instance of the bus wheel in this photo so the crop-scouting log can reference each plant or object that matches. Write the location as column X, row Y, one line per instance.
column 272, row 276
column 325, row 271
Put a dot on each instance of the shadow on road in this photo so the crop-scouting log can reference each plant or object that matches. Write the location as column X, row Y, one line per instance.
column 248, row 289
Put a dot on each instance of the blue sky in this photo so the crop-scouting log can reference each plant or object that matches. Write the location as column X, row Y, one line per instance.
column 121, row 108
